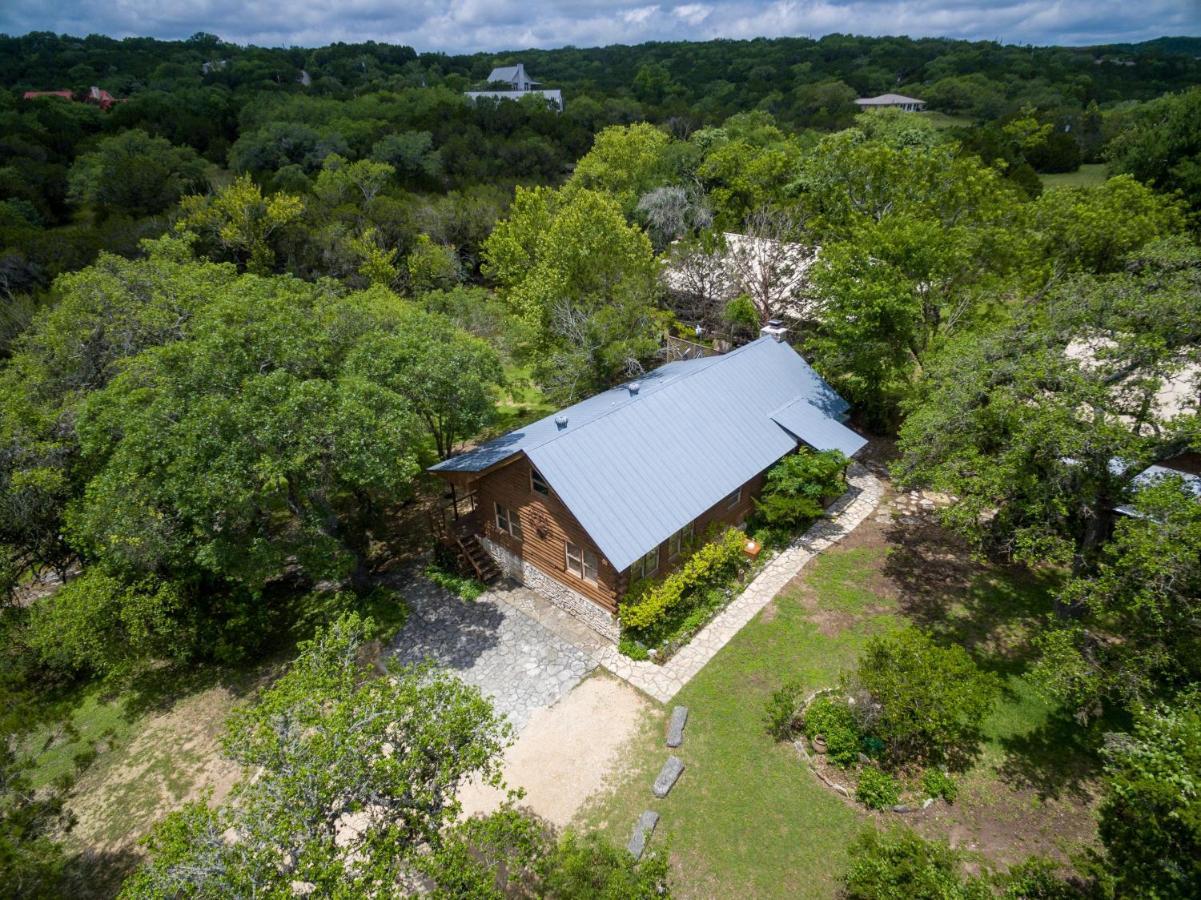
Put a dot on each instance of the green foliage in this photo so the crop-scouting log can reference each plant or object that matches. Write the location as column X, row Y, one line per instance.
column 1160, row 145
column 900, row 865
column 798, row 486
column 1036, row 878
column 331, row 738
column 30, row 821
column 96, row 623
column 624, row 162
column 740, row 313
column 238, row 222
column 431, row 267
column 1150, row 816
column 937, row 783
column 927, row 701
column 465, row 588
column 998, row 424
column 634, row 649
column 583, row 280
column 781, row 710
column 877, row 789
column 648, row 602
column 588, row 866
column 834, row 720
column 1135, row 635
column 135, row 174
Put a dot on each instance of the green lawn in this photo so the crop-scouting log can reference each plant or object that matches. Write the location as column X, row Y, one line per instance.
column 1088, row 175
column 520, row 403
column 747, row 820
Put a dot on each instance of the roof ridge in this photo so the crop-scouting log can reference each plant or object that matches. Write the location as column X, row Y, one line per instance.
column 656, row 389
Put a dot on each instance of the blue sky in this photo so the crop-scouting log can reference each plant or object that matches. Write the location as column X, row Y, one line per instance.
column 470, row 25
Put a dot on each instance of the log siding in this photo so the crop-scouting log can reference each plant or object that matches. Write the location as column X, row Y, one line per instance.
column 547, row 526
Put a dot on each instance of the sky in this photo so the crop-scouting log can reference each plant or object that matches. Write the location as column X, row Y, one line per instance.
column 458, row 26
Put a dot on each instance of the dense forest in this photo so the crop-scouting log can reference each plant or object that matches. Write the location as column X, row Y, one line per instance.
column 249, row 301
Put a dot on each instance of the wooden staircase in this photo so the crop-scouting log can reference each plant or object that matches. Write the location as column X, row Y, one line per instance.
column 475, row 556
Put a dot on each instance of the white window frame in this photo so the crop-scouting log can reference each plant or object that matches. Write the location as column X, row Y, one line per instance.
column 647, row 564
column 733, row 499
column 507, row 521
column 677, row 542
column 581, row 562
column 536, row 479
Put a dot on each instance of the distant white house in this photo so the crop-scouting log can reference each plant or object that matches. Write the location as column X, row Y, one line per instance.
column 519, row 85
column 891, row 101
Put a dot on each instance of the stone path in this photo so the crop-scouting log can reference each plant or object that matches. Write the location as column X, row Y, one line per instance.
column 519, row 663
column 665, row 681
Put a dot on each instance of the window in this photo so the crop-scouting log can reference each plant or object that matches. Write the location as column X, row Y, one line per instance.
column 678, row 541
column 507, row 521
column 646, row 566
column 582, row 563
column 538, row 484
column 733, row 499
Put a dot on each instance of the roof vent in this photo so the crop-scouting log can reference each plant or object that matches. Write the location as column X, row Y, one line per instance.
column 561, row 421
column 633, row 387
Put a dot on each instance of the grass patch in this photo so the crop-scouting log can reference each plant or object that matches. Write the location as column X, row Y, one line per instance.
column 1088, row 175
column 519, row 403
column 97, row 723
column 747, row 819
column 466, row 588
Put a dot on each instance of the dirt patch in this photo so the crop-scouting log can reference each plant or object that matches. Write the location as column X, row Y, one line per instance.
column 172, row 760
column 569, row 751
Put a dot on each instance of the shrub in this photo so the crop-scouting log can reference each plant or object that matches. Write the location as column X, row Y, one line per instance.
column 1036, row 879
column 931, row 700
column 649, row 602
column 797, row 486
column 835, row 722
column 1150, row 817
column 467, row 588
column 877, row 789
column 937, row 783
column 900, row 865
column 782, row 709
column 627, row 646
column 99, row 623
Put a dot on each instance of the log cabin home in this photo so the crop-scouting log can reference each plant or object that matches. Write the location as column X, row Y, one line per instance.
column 615, row 488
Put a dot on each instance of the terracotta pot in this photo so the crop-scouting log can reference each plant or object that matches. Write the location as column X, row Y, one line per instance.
column 819, row 743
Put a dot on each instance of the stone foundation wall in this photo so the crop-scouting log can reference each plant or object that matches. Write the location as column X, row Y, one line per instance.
column 590, row 613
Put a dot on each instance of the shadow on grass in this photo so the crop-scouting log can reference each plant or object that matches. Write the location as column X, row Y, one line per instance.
column 1059, row 759
column 98, row 874
column 989, row 610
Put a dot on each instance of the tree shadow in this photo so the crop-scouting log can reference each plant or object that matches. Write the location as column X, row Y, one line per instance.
column 989, row 610
column 442, row 627
column 1059, row 759
column 97, row 874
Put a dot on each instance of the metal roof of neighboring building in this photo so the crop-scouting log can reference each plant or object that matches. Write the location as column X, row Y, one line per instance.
column 634, row 468
column 1153, row 474
column 887, row 100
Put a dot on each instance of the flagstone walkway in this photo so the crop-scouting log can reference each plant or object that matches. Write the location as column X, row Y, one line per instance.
column 664, row 681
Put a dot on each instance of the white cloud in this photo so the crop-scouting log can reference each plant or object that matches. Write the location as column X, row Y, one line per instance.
column 692, row 13
column 471, row 25
column 639, row 15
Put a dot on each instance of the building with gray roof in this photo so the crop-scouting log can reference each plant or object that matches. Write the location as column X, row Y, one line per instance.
column 603, row 491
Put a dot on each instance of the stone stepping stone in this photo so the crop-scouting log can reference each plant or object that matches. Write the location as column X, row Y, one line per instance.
column 643, row 829
column 671, row 771
column 675, row 729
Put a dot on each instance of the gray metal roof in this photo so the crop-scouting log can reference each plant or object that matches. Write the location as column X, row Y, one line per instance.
column 636, row 468
column 817, row 429
column 1153, row 474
